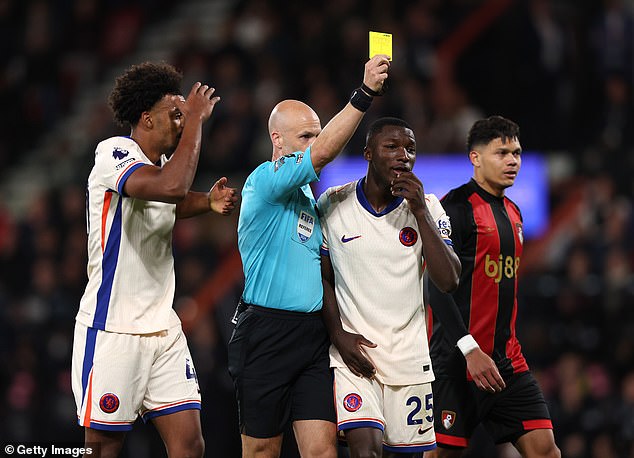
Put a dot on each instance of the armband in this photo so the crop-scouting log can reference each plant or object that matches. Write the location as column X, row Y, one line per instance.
column 467, row 344
column 360, row 100
column 369, row 91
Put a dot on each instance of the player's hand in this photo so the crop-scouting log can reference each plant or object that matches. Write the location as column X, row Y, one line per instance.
column 222, row 199
column 375, row 72
column 408, row 186
column 200, row 102
column 349, row 346
column 484, row 372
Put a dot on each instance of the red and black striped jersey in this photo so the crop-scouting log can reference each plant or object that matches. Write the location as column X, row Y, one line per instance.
column 487, row 236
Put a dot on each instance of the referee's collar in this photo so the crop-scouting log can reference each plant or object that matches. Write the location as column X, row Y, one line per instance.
column 363, row 200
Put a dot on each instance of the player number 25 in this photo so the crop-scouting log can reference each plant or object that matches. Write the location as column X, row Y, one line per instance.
column 418, row 404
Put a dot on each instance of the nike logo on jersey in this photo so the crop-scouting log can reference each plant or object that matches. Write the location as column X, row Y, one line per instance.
column 346, row 240
column 423, row 431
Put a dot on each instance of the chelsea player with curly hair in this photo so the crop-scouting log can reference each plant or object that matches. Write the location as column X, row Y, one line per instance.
column 130, row 356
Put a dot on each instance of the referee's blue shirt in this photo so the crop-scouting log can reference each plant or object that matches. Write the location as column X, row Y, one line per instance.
column 279, row 235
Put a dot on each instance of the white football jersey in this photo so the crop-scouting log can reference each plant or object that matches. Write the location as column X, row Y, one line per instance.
column 130, row 264
column 378, row 267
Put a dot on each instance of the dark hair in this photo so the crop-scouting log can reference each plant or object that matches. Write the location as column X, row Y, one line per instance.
column 485, row 130
column 380, row 123
column 140, row 87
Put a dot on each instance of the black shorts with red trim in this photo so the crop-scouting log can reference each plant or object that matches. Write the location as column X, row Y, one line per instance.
column 459, row 406
column 281, row 370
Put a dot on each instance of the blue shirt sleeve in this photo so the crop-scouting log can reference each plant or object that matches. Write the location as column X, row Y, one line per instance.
column 276, row 180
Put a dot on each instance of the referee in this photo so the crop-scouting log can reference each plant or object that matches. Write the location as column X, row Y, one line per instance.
column 278, row 353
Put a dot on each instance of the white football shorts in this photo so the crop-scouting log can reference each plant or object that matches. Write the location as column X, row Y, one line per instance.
column 403, row 413
column 117, row 377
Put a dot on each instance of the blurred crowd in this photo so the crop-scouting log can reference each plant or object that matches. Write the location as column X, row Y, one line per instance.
column 563, row 69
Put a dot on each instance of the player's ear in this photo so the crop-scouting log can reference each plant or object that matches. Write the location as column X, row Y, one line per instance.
column 367, row 154
column 474, row 157
column 146, row 120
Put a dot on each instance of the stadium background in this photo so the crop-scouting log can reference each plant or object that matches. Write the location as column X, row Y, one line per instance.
column 563, row 69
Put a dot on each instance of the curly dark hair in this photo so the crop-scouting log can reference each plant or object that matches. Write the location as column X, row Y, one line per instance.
column 140, row 87
column 485, row 130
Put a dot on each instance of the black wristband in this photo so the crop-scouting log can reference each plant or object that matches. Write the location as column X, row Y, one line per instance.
column 360, row 100
column 370, row 91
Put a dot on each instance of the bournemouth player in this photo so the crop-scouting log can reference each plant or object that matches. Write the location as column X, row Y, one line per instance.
column 481, row 373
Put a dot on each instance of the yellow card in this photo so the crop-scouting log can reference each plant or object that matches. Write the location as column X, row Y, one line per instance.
column 380, row 43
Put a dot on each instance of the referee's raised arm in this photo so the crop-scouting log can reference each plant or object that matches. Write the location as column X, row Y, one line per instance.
column 342, row 126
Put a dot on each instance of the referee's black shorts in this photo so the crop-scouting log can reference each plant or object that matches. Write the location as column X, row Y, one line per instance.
column 280, row 368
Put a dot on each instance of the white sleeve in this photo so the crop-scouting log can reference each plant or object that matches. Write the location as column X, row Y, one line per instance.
column 440, row 216
column 115, row 160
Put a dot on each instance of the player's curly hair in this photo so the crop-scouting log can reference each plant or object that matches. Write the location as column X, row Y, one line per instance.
column 140, row 87
column 485, row 130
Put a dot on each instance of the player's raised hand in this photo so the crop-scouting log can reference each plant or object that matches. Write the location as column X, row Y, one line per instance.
column 376, row 72
column 484, row 372
column 349, row 346
column 200, row 102
column 222, row 199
